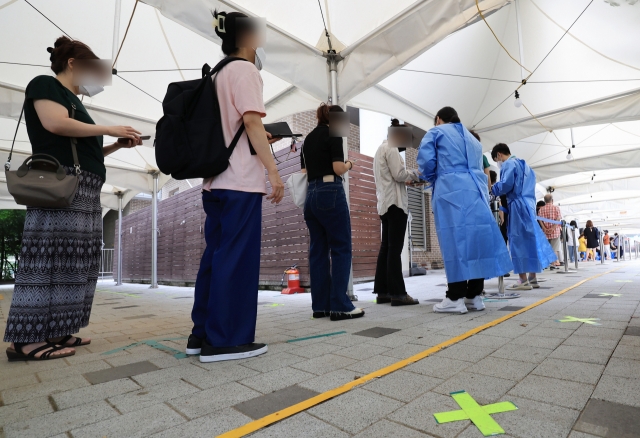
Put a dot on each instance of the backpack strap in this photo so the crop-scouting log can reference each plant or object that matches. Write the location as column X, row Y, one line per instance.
column 209, row 74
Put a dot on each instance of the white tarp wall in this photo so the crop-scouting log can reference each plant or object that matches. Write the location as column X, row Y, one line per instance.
column 405, row 58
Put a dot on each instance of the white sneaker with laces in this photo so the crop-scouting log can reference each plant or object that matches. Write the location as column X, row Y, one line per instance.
column 520, row 286
column 475, row 304
column 448, row 306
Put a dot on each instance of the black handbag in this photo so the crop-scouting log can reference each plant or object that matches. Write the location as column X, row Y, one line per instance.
column 41, row 181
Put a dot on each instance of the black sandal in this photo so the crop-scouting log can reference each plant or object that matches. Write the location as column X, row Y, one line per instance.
column 63, row 341
column 16, row 353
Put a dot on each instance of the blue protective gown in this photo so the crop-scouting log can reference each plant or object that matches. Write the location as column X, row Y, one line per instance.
column 470, row 240
column 530, row 249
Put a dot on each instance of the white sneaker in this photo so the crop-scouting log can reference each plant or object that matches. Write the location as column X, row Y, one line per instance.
column 448, row 306
column 520, row 286
column 475, row 304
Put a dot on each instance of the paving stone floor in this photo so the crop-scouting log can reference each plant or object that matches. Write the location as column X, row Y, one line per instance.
column 569, row 379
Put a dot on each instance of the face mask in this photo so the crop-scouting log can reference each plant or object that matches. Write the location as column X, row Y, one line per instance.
column 499, row 163
column 261, row 58
column 90, row 90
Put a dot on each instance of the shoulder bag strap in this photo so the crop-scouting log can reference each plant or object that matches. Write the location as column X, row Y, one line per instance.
column 74, row 141
column 7, row 165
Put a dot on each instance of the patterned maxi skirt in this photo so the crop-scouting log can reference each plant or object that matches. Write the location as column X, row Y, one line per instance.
column 58, row 269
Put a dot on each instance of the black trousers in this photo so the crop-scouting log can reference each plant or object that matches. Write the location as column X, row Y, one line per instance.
column 503, row 228
column 465, row 289
column 389, row 278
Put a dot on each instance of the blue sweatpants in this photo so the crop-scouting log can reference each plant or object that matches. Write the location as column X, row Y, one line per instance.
column 226, row 293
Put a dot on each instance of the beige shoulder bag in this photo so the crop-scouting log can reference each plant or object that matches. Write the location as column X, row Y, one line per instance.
column 41, row 181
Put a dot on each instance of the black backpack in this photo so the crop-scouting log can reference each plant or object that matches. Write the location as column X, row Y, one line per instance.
column 189, row 139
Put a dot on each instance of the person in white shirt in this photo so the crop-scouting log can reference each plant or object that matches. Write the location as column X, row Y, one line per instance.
column 391, row 179
column 572, row 241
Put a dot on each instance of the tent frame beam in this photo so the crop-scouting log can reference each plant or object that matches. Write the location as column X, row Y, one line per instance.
column 562, row 110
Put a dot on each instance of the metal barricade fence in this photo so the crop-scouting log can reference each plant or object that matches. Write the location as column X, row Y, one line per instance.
column 563, row 239
column 106, row 263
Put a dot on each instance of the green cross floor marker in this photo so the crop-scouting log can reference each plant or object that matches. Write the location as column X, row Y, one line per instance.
column 273, row 305
column 610, row 295
column 479, row 415
column 154, row 344
column 584, row 320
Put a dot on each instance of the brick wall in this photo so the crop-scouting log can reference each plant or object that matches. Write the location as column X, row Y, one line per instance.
column 431, row 258
column 173, row 187
column 285, row 238
column 136, row 204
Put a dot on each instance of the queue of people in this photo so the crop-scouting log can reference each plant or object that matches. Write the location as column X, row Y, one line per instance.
column 55, row 286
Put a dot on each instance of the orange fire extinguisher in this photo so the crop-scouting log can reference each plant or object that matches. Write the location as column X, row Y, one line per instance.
column 293, row 281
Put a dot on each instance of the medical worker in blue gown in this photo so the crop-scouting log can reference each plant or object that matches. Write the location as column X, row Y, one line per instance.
column 530, row 249
column 470, row 241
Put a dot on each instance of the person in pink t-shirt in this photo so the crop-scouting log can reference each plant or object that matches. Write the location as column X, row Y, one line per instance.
column 226, row 293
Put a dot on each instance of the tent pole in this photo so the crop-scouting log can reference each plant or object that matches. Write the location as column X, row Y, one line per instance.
column 154, row 233
column 119, row 274
column 332, row 59
column 523, row 73
column 116, row 30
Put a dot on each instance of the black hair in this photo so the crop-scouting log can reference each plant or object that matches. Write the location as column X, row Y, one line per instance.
column 493, row 176
column 232, row 29
column 396, row 122
column 475, row 134
column 540, row 204
column 500, row 148
column 447, row 115
column 573, row 224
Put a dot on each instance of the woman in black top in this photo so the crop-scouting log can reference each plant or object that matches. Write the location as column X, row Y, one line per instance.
column 593, row 240
column 326, row 213
column 60, row 257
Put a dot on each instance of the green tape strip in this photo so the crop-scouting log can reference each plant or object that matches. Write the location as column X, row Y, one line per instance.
column 316, row 336
column 448, row 417
column 273, row 305
column 497, row 408
column 126, row 347
column 154, row 344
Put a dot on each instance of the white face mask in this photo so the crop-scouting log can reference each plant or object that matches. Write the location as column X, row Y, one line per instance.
column 499, row 163
column 261, row 58
column 90, row 90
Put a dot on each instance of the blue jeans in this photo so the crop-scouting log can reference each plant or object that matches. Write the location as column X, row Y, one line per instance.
column 327, row 215
column 226, row 293
column 572, row 250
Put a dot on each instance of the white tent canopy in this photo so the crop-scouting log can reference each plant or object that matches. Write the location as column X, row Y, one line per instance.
column 406, row 58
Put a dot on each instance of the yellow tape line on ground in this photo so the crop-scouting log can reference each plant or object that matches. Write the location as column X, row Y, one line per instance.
column 320, row 398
